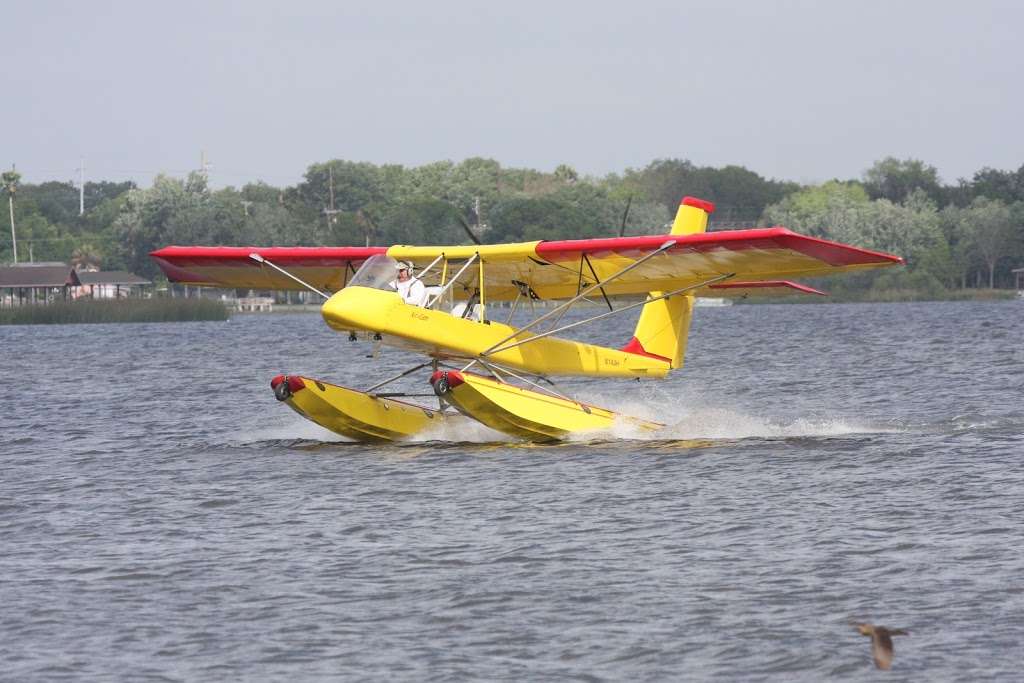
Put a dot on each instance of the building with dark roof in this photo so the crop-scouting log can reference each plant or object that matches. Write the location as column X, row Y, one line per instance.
column 38, row 275
column 36, row 282
column 32, row 283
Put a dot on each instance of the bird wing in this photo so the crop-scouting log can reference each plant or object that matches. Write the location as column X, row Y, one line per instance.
column 881, row 648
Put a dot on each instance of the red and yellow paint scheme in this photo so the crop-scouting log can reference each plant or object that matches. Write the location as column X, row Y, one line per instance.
column 326, row 268
column 440, row 335
column 664, row 273
column 353, row 413
column 528, row 414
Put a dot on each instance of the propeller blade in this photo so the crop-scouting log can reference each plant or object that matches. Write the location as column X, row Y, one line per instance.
column 625, row 215
column 465, row 226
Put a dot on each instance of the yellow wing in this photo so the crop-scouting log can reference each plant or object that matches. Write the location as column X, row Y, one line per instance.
column 559, row 269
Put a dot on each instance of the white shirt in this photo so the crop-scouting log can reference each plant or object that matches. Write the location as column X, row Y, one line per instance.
column 412, row 291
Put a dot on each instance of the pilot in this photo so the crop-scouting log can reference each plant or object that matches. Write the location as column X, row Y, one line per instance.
column 409, row 287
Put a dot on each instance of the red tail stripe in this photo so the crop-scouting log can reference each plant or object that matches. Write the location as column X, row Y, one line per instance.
column 634, row 346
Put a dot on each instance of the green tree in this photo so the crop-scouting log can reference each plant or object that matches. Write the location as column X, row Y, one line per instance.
column 518, row 219
column 429, row 180
column 566, row 174
column 474, row 183
column 668, row 180
column 422, row 221
column 523, row 180
column 843, row 212
column 990, row 226
column 833, row 210
column 56, row 201
column 355, row 185
column 739, row 194
column 40, row 240
column 1006, row 186
column 896, row 179
column 85, row 256
column 167, row 213
column 959, row 236
column 98, row 192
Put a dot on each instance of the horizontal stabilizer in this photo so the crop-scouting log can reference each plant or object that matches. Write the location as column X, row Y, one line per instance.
column 326, row 268
column 763, row 288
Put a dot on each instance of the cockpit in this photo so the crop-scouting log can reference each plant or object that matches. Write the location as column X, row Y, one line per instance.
column 434, row 286
column 377, row 272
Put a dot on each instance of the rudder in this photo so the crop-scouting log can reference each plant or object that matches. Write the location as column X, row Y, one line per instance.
column 664, row 325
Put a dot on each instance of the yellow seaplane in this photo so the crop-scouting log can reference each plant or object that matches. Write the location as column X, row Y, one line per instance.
column 439, row 301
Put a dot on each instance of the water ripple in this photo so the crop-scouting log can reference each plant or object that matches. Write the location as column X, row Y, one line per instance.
column 860, row 466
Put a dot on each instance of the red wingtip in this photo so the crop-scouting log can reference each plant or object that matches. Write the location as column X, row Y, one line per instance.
column 702, row 204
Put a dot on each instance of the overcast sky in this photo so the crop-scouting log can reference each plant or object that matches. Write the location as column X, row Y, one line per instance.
column 798, row 90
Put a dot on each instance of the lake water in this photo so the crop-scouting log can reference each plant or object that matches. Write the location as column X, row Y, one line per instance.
column 162, row 517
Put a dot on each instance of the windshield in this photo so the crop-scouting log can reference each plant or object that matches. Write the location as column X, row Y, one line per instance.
column 377, row 272
column 380, row 271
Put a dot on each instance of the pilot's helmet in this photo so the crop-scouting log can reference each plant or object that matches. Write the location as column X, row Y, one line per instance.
column 404, row 265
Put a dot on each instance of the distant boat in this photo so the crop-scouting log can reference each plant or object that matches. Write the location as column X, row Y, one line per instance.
column 712, row 301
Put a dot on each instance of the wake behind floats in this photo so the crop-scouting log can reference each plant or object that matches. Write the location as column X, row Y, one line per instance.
column 487, row 370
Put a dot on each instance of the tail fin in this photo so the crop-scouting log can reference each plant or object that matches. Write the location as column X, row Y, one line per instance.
column 664, row 325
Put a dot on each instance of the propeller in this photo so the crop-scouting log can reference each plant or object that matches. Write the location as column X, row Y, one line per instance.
column 625, row 215
column 465, row 226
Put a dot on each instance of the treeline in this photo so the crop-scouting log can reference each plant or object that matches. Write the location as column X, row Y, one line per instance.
column 957, row 236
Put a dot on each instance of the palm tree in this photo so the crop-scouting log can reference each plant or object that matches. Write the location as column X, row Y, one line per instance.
column 10, row 180
column 86, row 256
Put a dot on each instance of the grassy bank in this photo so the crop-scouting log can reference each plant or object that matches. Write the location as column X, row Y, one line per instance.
column 892, row 295
column 121, row 311
column 895, row 285
column 889, row 296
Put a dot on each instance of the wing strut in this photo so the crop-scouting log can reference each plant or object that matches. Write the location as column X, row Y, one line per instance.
column 583, row 294
column 594, row 273
column 496, row 371
column 378, row 385
column 262, row 261
column 444, row 290
column 604, row 315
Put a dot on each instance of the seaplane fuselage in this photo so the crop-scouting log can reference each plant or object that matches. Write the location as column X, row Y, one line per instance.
column 444, row 336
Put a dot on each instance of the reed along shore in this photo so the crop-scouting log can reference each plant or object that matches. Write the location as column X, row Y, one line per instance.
column 116, row 311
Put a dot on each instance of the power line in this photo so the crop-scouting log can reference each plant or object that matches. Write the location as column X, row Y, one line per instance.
column 231, row 173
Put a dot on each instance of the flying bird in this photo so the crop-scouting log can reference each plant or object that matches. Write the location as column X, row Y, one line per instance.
column 881, row 642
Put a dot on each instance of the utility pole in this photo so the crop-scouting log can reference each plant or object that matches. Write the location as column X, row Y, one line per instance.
column 481, row 226
column 204, row 165
column 81, row 188
column 14, row 237
column 331, row 212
